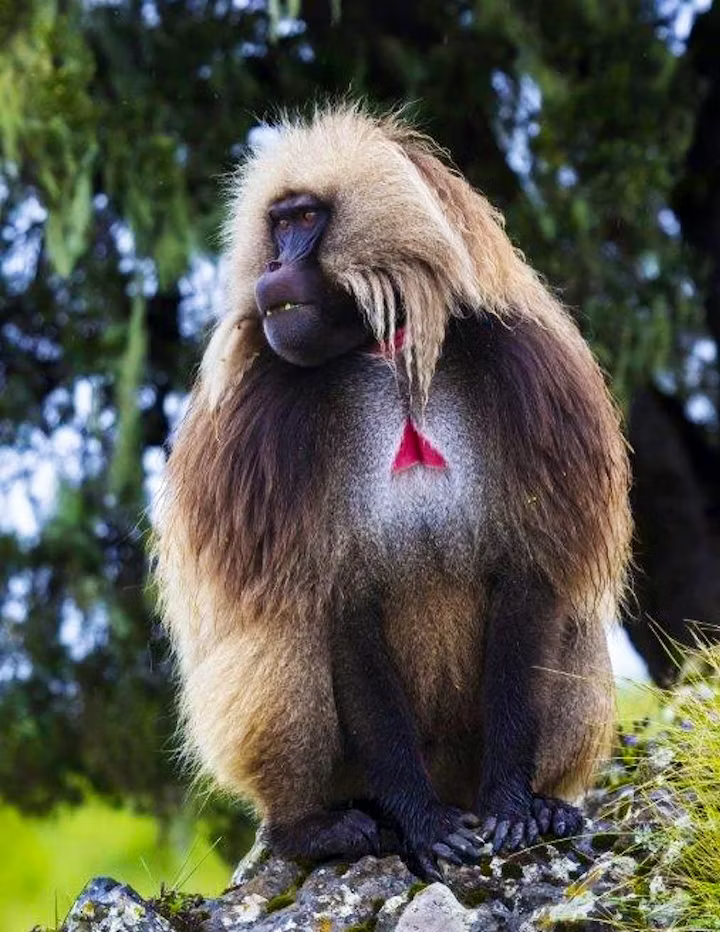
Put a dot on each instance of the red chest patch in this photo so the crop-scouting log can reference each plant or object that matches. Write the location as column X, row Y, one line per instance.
column 416, row 450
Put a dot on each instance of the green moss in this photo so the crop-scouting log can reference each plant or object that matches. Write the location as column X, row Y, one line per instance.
column 263, row 857
column 367, row 926
column 511, row 871
column 282, row 900
column 182, row 909
column 470, row 899
column 485, row 868
column 416, row 888
column 604, row 841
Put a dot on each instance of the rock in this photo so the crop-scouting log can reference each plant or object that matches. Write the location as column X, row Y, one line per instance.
column 551, row 882
column 104, row 905
column 435, row 910
column 580, row 883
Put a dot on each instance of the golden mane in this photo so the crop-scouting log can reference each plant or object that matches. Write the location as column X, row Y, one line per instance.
column 406, row 229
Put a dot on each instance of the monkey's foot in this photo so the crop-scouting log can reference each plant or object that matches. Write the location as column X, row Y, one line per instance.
column 442, row 832
column 347, row 834
column 512, row 826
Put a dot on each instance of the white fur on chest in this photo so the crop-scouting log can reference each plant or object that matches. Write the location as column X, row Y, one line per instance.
column 419, row 516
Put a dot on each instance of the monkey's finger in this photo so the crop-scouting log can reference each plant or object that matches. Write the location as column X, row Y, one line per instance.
column 372, row 836
column 516, row 836
column 446, row 852
column 542, row 815
column 576, row 822
column 472, row 837
column 567, row 821
column 559, row 823
column 531, row 831
column 466, row 849
column 423, row 866
column 488, row 828
column 501, row 833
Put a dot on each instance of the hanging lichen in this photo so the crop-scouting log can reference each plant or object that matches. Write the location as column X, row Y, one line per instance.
column 126, row 474
column 49, row 120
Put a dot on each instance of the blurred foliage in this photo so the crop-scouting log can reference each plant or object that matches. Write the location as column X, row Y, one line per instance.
column 53, row 858
column 119, row 120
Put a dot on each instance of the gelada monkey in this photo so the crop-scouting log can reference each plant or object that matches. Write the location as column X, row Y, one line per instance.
column 395, row 515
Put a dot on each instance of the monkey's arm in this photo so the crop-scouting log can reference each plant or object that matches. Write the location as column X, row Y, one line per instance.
column 521, row 622
column 380, row 734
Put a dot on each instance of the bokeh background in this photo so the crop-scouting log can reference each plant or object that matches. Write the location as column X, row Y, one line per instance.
column 593, row 124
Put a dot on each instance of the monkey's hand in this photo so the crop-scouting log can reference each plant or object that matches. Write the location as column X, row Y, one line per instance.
column 511, row 823
column 440, row 832
column 345, row 833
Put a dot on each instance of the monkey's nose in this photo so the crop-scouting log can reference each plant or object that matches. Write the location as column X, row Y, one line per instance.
column 273, row 265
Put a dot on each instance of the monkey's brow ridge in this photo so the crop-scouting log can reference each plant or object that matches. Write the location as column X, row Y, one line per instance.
column 295, row 203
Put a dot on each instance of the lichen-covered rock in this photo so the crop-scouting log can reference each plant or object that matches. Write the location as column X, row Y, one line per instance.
column 585, row 884
column 332, row 897
column 435, row 910
column 105, row 905
column 526, row 891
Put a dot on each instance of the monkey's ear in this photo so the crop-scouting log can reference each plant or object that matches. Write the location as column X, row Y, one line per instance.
column 233, row 346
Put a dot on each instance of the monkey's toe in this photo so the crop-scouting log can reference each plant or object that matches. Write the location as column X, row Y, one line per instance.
column 513, row 829
column 510, row 833
column 556, row 816
column 446, row 835
column 347, row 834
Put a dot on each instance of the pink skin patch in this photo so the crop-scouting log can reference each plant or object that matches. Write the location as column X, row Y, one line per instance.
column 416, row 450
column 385, row 349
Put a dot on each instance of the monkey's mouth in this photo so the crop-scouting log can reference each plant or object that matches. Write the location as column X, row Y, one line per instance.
column 282, row 308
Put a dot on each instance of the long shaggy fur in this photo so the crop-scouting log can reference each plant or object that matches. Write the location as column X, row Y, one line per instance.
column 407, row 230
column 240, row 506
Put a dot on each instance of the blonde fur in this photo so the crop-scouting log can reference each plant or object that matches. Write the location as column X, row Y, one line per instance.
column 444, row 253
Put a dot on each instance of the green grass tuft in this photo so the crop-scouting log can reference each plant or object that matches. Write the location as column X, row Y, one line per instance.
column 691, row 861
column 678, row 758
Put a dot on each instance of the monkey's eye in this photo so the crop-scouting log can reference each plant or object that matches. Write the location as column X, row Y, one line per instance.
column 309, row 217
column 283, row 224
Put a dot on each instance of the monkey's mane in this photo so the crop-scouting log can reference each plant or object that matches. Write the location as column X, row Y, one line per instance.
column 250, row 554
column 406, row 229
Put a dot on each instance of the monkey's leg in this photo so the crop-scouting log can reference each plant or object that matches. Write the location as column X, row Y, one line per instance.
column 380, row 734
column 262, row 714
column 521, row 634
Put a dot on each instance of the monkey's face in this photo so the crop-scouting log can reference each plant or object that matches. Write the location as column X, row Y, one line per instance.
column 306, row 319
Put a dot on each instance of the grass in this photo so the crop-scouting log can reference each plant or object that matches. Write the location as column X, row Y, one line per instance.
column 637, row 701
column 677, row 753
column 689, row 868
column 46, row 862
